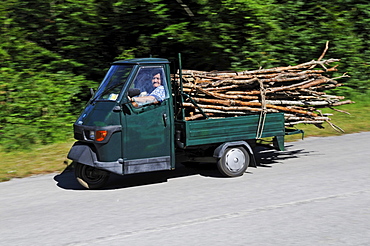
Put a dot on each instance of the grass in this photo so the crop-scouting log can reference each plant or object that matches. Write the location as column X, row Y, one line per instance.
column 53, row 158
column 44, row 159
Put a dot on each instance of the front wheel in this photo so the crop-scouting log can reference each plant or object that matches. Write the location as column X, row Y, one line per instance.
column 234, row 162
column 90, row 177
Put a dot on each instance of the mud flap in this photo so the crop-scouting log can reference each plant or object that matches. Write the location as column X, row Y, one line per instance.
column 83, row 154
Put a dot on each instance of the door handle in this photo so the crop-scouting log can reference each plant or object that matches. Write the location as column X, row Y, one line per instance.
column 164, row 120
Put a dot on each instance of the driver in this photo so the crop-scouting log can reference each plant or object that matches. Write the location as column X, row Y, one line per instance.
column 156, row 96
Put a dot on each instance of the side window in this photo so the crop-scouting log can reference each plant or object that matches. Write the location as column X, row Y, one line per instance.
column 150, row 85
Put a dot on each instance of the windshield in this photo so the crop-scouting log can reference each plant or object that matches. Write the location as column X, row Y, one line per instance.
column 113, row 82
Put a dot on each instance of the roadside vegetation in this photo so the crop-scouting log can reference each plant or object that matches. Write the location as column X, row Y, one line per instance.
column 52, row 52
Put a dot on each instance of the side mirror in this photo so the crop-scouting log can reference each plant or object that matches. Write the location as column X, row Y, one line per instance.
column 133, row 92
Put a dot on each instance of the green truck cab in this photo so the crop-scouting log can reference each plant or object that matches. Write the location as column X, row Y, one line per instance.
column 135, row 124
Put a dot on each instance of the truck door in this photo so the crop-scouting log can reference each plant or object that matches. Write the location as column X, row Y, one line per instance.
column 147, row 138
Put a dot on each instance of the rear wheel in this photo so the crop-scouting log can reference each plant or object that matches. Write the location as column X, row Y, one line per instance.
column 234, row 162
column 90, row 177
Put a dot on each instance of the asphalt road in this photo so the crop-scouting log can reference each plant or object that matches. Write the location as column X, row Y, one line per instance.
column 317, row 192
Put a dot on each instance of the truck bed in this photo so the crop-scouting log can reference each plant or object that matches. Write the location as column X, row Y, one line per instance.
column 208, row 131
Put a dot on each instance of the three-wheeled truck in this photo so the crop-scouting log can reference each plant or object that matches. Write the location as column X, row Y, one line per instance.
column 120, row 133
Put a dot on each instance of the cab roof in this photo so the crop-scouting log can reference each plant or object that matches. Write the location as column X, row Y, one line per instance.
column 138, row 61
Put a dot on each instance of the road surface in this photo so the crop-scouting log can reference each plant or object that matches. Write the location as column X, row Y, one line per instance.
column 317, row 192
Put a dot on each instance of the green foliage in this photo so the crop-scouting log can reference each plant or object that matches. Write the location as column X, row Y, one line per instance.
column 37, row 108
column 40, row 95
column 52, row 51
column 306, row 26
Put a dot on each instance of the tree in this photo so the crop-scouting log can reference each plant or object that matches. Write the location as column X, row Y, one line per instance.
column 38, row 102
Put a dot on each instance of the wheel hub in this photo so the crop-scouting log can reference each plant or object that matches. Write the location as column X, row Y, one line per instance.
column 235, row 160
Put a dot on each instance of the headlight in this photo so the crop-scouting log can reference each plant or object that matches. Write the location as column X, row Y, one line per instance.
column 92, row 135
column 96, row 135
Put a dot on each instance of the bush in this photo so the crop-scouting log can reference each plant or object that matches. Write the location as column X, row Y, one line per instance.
column 38, row 108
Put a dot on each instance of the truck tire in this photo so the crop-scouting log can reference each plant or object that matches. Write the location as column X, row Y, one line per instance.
column 234, row 162
column 90, row 177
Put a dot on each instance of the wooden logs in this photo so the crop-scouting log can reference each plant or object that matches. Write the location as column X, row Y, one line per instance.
column 297, row 91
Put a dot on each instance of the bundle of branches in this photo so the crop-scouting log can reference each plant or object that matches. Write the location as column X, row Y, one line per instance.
column 297, row 91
